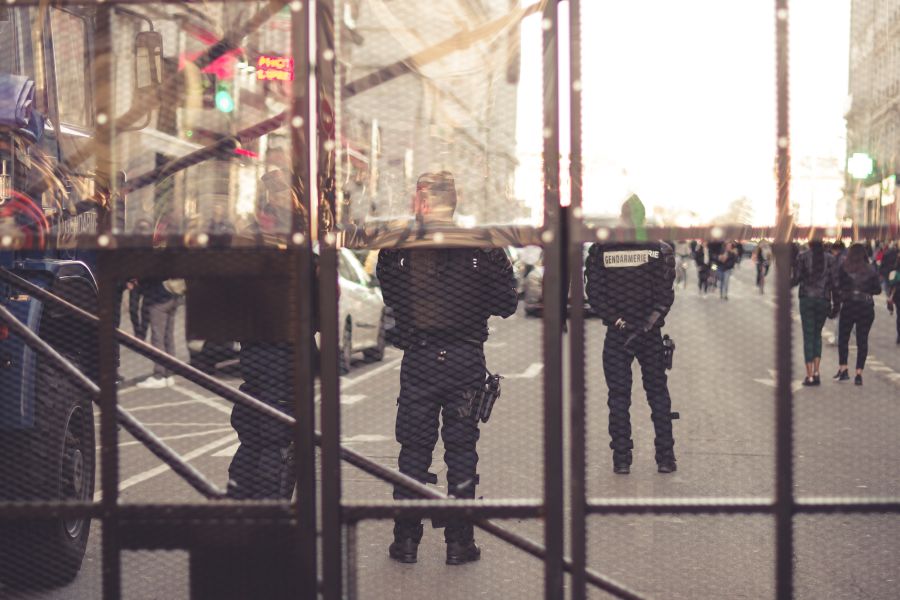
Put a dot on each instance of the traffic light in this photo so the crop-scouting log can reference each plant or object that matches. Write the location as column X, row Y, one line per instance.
column 223, row 99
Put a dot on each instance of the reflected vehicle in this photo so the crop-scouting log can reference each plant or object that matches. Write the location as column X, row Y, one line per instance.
column 362, row 318
column 363, row 327
column 533, row 286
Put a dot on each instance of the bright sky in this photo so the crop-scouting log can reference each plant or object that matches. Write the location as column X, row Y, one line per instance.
column 679, row 105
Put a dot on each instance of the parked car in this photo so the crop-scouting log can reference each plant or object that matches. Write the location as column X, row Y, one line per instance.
column 362, row 315
column 533, row 289
column 363, row 321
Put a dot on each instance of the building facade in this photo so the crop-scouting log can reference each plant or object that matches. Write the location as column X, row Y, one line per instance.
column 873, row 115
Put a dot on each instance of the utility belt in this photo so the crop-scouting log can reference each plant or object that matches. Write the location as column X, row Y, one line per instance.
column 421, row 339
column 855, row 296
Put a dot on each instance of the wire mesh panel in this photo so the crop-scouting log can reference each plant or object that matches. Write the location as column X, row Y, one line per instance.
column 246, row 230
column 644, row 553
column 860, row 551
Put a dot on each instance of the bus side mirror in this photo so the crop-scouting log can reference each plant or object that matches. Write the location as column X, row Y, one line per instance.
column 148, row 62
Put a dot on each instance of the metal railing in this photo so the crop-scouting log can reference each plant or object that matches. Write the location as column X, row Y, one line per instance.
column 563, row 234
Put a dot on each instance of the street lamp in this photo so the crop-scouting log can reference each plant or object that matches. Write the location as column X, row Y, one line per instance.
column 860, row 166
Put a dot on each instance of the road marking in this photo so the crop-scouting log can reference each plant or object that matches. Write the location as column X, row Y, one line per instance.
column 365, row 437
column 346, row 382
column 228, row 452
column 177, row 437
column 159, row 470
column 533, row 370
column 881, row 368
column 212, row 402
column 771, row 382
column 350, row 399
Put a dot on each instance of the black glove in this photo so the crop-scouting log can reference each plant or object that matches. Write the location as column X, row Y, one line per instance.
column 651, row 320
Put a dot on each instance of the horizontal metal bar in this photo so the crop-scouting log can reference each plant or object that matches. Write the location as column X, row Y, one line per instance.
column 624, row 506
column 191, row 475
column 143, row 260
column 207, row 511
column 45, row 510
column 405, row 235
column 847, row 505
column 473, row 509
column 739, row 506
column 97, row 3
column 591, row 232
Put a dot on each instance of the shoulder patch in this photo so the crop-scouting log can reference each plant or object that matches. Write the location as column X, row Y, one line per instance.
column 628, row 258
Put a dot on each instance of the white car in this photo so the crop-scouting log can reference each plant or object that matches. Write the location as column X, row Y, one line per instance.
column 361, row 312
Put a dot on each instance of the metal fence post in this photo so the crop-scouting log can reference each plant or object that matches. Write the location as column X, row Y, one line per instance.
column 577, row 383
column 554, row 313
column 784, row 481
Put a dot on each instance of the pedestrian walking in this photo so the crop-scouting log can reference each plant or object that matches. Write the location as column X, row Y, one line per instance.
column 726, row 262
column 814, row 272
column 703, row 270
column 630, row 286
column 161, row 302
column 442, row 299
column 857, row 283
column 762, row 256
column 887, row 263
column 893, row 283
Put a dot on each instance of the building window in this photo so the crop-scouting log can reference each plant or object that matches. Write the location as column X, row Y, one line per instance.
column 69, row 58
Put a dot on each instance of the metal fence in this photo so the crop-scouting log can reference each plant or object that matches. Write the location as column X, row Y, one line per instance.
column 310, row 546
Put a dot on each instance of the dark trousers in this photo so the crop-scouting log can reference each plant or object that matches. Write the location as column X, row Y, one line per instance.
column 162, row 331
column 861, row 315
column 139, row 312
column 262, row 467
column 813, row 313
column 648, row 349
column 897, row 312
column 702, row 278
column 437, row 380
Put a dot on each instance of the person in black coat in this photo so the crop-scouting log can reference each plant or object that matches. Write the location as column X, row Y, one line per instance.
column 815, row 272
column 857, row 283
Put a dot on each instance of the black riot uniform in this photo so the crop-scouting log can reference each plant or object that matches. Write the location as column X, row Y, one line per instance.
column 442, row 299
column 263, row 465
column 630, row 286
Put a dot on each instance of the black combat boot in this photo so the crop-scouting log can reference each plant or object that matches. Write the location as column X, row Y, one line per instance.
column 665, row 462
column 461, row 548
column 405, row 548
column 622, row 463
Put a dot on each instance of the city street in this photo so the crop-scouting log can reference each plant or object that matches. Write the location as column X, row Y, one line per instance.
column 722, row 384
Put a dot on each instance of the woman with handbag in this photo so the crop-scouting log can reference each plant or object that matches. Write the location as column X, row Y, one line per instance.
column 857, row 283
column 814, row 272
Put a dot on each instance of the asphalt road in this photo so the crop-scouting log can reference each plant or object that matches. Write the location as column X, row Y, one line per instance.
column 846, row 445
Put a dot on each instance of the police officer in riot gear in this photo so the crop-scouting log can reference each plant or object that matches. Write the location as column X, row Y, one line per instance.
column 442, row 299
column 630, row 286
column 263, row 465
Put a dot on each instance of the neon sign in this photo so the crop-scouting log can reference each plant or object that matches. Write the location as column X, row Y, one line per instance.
column 275, row 68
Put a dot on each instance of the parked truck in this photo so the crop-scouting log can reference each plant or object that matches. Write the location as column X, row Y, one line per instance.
column 53, row 189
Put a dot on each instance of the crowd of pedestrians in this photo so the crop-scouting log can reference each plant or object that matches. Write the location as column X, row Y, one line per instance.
column 834, row 282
